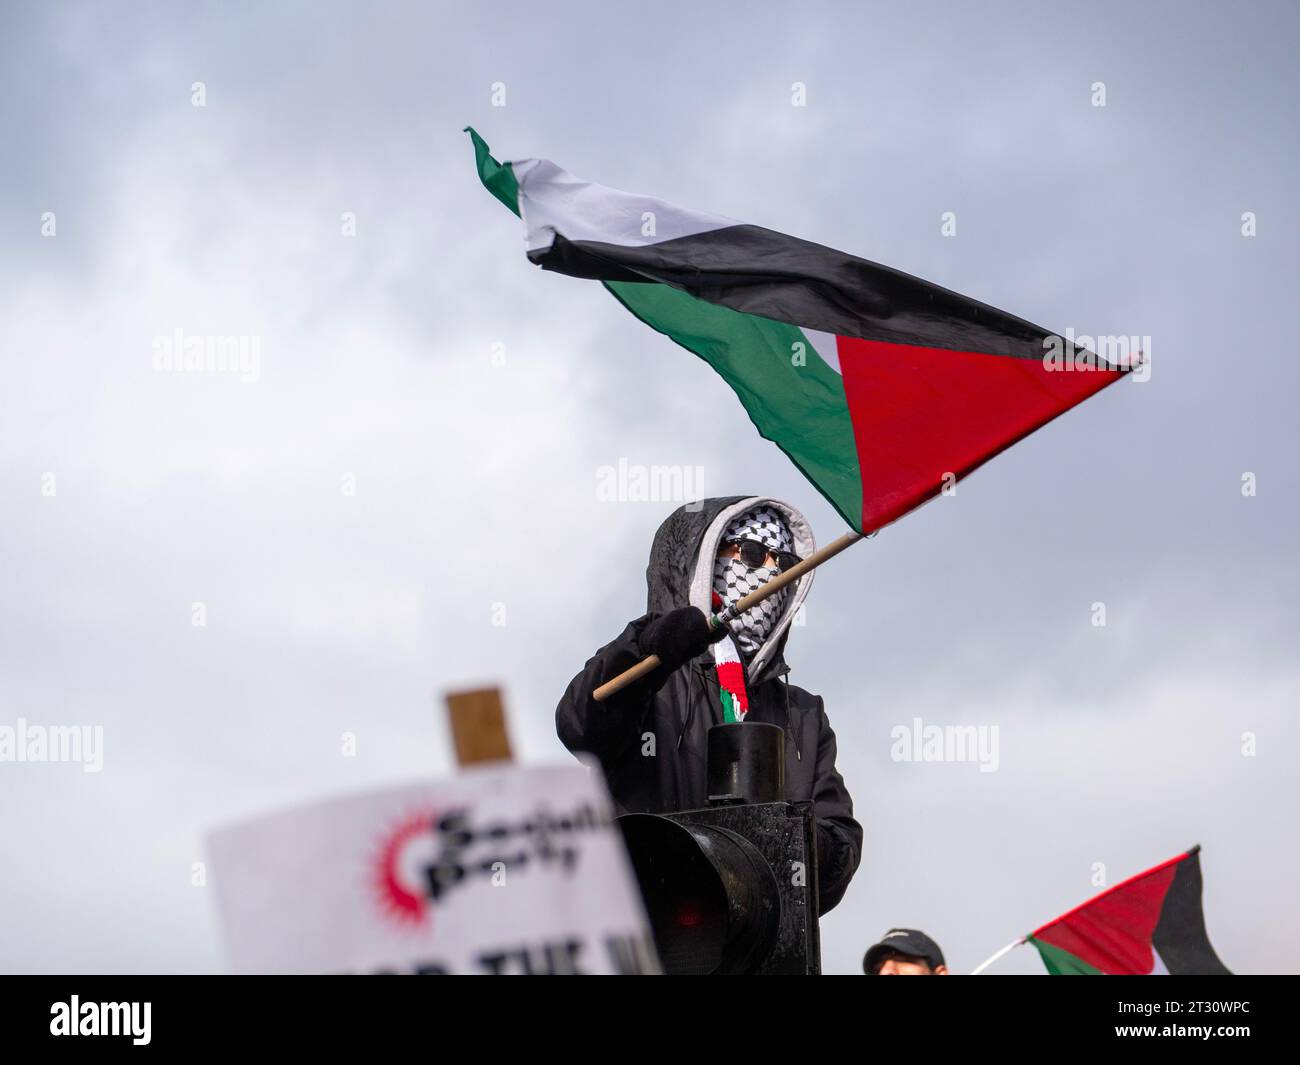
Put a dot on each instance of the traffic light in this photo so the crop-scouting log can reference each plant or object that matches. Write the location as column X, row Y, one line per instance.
column 732, row 888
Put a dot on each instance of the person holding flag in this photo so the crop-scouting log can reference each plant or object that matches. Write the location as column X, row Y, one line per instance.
column 883, row 389
column 651, row 737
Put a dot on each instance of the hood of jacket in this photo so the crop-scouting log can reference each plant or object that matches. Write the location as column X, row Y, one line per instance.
column 680, row 571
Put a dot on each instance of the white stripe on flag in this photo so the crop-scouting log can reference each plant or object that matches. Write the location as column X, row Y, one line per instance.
column 825, row 345
column 553, row 201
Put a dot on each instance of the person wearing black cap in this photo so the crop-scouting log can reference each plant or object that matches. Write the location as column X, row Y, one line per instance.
column 904, row 952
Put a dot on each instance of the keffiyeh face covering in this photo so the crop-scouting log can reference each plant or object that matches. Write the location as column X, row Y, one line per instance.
column 732, row 580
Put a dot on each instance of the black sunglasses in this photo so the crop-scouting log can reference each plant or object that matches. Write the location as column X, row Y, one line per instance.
column 754, row 554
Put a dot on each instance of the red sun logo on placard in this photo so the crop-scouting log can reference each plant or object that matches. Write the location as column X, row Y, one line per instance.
column 397, row 870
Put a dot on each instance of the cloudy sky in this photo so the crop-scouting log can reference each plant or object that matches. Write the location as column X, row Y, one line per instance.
column 471, row 400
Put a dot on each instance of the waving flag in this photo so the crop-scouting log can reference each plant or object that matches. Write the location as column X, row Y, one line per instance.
column 880, row 387
column 1150, row 924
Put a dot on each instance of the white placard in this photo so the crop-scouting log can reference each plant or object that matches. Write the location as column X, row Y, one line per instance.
column 501, row 869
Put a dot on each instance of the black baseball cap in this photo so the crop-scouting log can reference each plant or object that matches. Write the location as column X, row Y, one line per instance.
column 903, row 941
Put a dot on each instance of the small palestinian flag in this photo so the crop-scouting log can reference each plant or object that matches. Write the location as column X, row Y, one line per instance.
column 1151, row 924
column 882, row 388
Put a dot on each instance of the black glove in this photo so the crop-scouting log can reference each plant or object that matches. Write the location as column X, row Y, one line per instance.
column 679, row 635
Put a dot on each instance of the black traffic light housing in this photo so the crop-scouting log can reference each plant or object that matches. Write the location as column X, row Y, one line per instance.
column 732, row 888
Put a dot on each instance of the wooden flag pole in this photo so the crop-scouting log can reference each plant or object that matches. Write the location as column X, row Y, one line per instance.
column 650, row 664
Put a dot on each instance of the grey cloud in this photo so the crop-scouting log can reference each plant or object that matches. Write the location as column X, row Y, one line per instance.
column 477, row 482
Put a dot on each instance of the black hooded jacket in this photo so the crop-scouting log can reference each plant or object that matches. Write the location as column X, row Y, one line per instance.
column 679, row 706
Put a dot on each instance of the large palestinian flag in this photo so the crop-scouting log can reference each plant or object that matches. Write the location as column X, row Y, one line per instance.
column 881, row 388
column 1150, row 924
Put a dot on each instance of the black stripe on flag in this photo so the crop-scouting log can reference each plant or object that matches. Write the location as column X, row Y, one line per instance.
column 772, row 275
column 1180, row 936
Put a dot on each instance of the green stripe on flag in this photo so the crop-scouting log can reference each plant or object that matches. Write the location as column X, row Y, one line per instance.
column 1061, row 962
column 800, row 408
column 497, row 178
